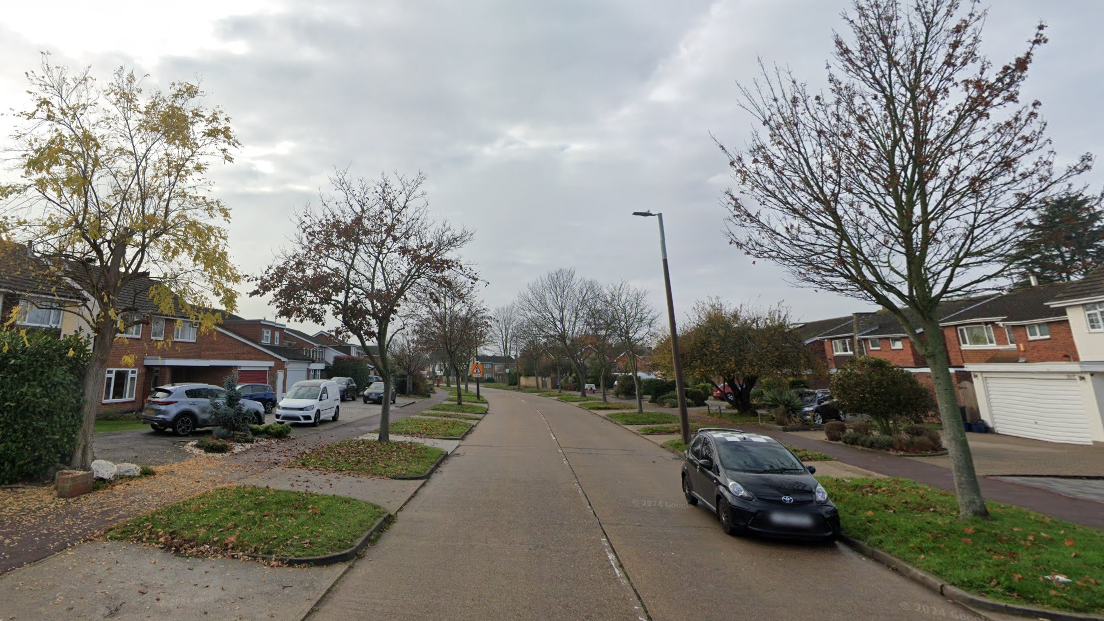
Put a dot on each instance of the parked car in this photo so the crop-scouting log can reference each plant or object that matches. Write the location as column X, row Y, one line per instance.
column 820, row 407
column 374, row 393
column 724, row 393
column 183, row 408
column 309, row 401
column 756, row 485
column 261, row 393
column 348, row 388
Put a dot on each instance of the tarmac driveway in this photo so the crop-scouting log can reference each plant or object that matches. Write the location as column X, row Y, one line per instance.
column 148, row 448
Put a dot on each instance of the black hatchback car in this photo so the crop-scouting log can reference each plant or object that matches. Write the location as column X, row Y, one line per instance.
column 348, row 388
column 756, row 485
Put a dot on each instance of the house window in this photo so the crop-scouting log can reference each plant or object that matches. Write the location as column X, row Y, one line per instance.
column 1094, row 315
column 1038, row 331
column 875, row 343
column 896, row 344
column 276, row 338
column 1008, row 334
column 842, row 347
column 39, row 314
column 157, row 328
column 119, row 385
column 976, row 336
column 133, row 331
column 266, row 336
column 185, row 331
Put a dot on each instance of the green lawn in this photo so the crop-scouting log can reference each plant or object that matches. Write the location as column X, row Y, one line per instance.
column 253, row 520
column 498, row 386
column 807, row 455
column 647, row 418
column 469, row 396
column 1007, row 557
column 453, row 415
column 613, row 405
column 573, row 398
column 371, row 458
column 660, row 430
column 463, row 409
column 430, row 427
column 105, row 426
column 676, row 445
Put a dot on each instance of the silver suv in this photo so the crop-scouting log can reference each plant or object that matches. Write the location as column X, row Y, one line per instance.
column 186, row 407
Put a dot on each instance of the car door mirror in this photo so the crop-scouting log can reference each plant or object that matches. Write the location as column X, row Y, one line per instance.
column 705, row 463
column 811, row 469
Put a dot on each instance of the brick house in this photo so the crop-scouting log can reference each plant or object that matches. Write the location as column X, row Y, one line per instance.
column 39, row 300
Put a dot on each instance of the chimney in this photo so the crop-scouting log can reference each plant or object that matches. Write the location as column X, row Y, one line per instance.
column 1033, row 279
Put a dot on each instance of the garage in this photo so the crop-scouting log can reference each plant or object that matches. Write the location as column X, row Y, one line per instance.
column 1049, row 407
column 252, row 376
column 296, row 372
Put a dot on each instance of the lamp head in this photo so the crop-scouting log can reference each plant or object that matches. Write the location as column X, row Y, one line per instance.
column 646, row 214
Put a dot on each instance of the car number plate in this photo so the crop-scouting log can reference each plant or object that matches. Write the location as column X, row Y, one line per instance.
column 149, row 411
column 791, row 519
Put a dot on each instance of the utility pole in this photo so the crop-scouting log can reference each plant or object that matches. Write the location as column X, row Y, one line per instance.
column 680, row 386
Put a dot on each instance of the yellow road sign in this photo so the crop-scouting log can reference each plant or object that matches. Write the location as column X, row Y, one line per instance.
column 476, row 371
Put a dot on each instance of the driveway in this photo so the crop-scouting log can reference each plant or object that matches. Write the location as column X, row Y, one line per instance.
column 547, row 511
column 147, row 448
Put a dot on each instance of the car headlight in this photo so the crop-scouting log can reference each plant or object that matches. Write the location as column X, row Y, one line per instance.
column 309, row 408
column 739, row 491
column 821, row 495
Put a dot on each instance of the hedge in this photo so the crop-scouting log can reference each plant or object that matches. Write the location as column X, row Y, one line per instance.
column 41, row 393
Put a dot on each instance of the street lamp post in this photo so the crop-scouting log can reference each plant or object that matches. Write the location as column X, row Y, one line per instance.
column 680, row 385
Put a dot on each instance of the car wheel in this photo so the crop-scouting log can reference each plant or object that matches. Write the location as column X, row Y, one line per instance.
column 686, row 491
column 258, row 419
column 337, row 412
column 184, row 425
column 314, row 423
column 724, row 514
column 268, row 408
column 366, row 400
column 392, row 398
column 818, row 419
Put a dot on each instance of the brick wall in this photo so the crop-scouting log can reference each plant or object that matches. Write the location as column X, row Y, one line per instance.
column 1060, row 347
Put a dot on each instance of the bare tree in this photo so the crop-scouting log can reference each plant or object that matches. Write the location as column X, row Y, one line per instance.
column 114, row 191
column 555, row 307
column 409, row 357
column 504, row 326
column 360, row 257
column 902, row 184
column 631, row 323
column 454, row 323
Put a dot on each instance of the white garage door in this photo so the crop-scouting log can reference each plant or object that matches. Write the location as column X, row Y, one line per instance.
column 1042, row 409
column 295, row 375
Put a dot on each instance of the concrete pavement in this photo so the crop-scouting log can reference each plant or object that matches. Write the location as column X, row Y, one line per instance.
column 550, row 512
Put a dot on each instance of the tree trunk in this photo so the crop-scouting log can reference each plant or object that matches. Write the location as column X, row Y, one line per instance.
column 94, row 376
column 741, row 393
column 385, row 373
column 602, row 384
column 970, row 501
column 459, row 392
column 636, row 383
column 580, row 369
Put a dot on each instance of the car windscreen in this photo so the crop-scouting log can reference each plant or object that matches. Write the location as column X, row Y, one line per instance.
column 758, row 458
column 304, row 392
column 376, row 387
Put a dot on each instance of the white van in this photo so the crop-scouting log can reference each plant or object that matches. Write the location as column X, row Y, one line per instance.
column 309, row 401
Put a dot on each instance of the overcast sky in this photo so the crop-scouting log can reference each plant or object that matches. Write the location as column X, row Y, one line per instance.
column 541, row 125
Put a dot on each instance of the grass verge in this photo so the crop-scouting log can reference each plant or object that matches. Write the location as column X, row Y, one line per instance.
column 107, row 426
column 1015, row 556
column 676, row 445
column 251, row 520
column 469, row 396
column 647, row 418
column 430, row 427
column 463, row 409
column 660, row 430
column 612, row 405
column 371, row 458
column 570, row 398
column 807, row 455
column 453, row 415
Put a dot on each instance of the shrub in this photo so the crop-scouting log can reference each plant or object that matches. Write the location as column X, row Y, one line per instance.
column 834, row 430
column 880, row 442
column 932, row 436
column 756, row 394
column 278, row 430
column 914, row 431
column 41, row 395
column 243, row 437
column 228, row 415
column 625, row 387
column 883, row 391
column 656, row 387
column 785, row 404
column 147, row 471
column 695, row 397
column 862, row 428
column 257, row 430
column 851, row 437
column 222, row 433
column 799, row 384
column 212, row 445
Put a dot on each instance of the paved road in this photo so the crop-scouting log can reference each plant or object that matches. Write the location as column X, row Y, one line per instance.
column 147, row 448
column 549, row 512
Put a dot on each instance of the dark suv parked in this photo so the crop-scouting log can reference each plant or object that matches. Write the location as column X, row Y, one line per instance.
column 348, row 388
column 756, row 485
column 261, row 393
